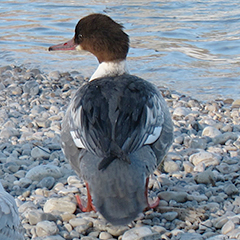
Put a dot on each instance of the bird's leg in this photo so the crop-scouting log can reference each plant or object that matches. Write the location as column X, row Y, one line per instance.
column 90, row 206
column 153, row 203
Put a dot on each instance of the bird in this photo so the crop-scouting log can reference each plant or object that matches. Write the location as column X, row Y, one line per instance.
column 117, row 128
column 10, row 225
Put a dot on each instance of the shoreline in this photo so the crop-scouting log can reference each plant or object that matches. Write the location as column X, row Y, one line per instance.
column 199, row 184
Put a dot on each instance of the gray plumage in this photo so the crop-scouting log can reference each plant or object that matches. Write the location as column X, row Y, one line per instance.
column 117, row 111
column 10, row 225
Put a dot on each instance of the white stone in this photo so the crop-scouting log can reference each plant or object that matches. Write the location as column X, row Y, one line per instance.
column 227, row 227
column 59, row 204
column 211, row 132
column 136, row 233
column 46, row 228
column 205, row 157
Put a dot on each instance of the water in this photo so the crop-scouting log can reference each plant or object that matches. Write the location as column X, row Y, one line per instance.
column 189, row 46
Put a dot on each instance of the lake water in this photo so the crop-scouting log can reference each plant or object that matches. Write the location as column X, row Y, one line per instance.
column 189, row 46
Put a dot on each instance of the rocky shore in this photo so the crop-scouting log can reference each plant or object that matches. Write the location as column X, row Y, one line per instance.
column 198, row 183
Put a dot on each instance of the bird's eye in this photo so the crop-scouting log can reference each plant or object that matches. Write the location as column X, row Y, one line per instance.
column 80, row 36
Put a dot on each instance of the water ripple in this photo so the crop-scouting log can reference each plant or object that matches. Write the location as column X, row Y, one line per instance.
column 190, row 46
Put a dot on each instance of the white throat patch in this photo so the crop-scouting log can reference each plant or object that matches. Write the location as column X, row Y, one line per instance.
column 110, row 69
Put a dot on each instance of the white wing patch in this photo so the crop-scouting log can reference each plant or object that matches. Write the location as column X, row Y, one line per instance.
column 154, row 136
column 154, row 123
column 76, row 140
column 76, row 117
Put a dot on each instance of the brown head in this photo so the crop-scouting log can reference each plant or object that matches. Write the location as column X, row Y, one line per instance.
column 100, row 35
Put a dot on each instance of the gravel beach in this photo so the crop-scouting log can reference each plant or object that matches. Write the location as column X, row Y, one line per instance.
column 198, row 183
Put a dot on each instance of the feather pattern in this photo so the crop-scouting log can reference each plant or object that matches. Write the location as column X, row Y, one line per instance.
column 122, row 131
column 124, row 112
column 10, row 226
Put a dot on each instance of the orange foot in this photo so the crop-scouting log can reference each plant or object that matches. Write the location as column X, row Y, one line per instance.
column 90, row 206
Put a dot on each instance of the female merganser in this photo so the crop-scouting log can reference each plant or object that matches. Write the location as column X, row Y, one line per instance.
column 10, row 224
column 117, row 128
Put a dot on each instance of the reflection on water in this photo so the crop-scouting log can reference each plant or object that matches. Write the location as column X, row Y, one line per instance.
column 189, row 46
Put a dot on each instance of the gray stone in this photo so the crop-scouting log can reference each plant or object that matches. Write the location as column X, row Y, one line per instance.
column 83, row 228
column 36, row 216
column 79, row 221
column 47, row 182
column 27, row 206
column 198, row 143
column 11, row 167
column 170, row 195
column 40, row 152
column 9, row 132
column 170, row 216
column 55, row 237
column 190, row 236
column 31, row 88
column 39, row 172
column 206, row 177
column 54, row 75
column 223, row 138
column 153, row 236
column 219, row 222
column 230, row 189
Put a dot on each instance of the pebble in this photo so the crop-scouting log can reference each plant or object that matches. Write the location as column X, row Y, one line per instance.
column 63, row 204
column 36, row 216
column 39, row 172
column 177, row 196
column 198, row 185
column 47, row 182
column 31, row 88
column 38, row 153
column 105, row 236
column 205, row 157
column 136, row 233
column 227, row 227
column 211, row 132
column 46, row 228
column 230, row 189
column 170, row 216
column 170, row 166
column 206, row 177
column 181, row 112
